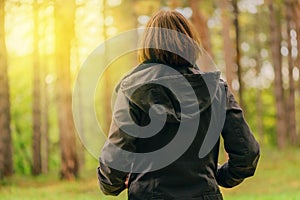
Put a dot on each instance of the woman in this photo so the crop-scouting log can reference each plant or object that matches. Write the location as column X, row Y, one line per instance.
column 188, row 98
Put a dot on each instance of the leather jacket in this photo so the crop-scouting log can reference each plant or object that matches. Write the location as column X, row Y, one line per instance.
column 188, row 176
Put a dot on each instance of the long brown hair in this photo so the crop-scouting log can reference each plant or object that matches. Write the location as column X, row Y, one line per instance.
column 163, row 40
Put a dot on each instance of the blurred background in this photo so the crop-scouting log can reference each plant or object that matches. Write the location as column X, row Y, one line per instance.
column 43, row 44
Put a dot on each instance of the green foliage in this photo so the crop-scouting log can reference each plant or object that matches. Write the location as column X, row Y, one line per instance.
column 21, row 98
column 268, row 114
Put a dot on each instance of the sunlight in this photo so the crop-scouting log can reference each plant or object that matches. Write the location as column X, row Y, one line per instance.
column 143, row 19
column 19, row 29
column 113, row 3
column 296, row 73
column 109, row 20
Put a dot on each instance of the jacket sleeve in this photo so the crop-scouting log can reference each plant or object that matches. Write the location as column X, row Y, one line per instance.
column 112, row 181
column 241, row 146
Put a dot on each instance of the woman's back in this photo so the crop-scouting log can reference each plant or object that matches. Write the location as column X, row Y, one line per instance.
column 187, row 177
column 164, row 137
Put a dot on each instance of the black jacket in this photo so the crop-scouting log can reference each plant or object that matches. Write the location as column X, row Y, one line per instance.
column 188, row 176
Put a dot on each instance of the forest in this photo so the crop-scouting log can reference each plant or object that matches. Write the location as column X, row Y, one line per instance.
column 48, row 152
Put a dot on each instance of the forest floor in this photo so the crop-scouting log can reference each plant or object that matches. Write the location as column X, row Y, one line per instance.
column 277, row 178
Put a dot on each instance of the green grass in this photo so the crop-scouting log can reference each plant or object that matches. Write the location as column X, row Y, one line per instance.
column 277, row 178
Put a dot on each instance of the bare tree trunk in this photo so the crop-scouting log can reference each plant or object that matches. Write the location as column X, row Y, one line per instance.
column 80, row 141
column 259, row 101
column 36, row 103
column 107, row 90
column 200, row 23
column 275, row 34
column 291, row 98
column 44, row 119
column 6, row 156
column 44, row 62
column 238, row 52
column 131, row 17
column 45, row 125
column 227, row 43
column 227, row 48
column 81, row 126
column 296, row 13
column 64, row 25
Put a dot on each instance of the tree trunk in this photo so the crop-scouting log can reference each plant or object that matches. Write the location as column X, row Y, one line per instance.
column 238, row 52
column 227, row 43
column 275, row 34
column 296, row 13
column 6, row 160
column 80, row 128
column 45, row 125
column 44, row 62
column 259, row 101
column 36, row 103
column 200, row 23
column 44, row 118
column 64, row 26
column 80, row 141
column 107, row 90
column 291, row 98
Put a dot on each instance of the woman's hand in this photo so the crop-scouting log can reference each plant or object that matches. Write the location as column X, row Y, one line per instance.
column 126, row 182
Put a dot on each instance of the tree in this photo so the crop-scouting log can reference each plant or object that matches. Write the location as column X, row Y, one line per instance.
column 237, row 50
column 107, row 89
column 44, row 122
column 275, row 44
column 227, row 43
column 45, row 101
column 64, row 27
column 120, row 14
column 296, row 14
column 200, row 23
column 36, row 103
column 259, row 101
column 6, row 160
column 291, row 97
